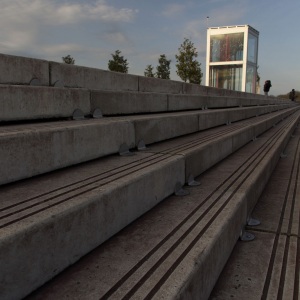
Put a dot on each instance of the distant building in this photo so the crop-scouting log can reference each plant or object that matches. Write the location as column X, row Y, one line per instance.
column 231, row 59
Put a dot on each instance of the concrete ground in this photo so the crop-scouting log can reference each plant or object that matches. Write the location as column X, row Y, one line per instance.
column 268, row 266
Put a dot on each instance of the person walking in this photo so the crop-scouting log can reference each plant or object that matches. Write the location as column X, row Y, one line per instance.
column 292, row 95
column 267, row 86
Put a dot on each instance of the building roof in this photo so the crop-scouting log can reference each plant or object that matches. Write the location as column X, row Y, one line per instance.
column 235, row 26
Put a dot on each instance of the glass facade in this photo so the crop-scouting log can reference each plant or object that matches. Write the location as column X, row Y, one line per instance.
column 251, row 79
column 252, row 48
column 226, row 77
column 227, row 47
column 231, row 61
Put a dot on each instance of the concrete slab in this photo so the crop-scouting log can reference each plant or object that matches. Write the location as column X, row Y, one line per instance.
column 190, row 88
column 243, row 270
column 124, row 103
column 156, row 128
column 156, row 85
column 32, row 102
column 222, row 101
column 32, row 149
column 204, row 149
column 64, row 215
column 268, row 267
column 211, row 118
column 22, row 70
column 186, row 102
column 90, row 78
column 242, row 137
column 177, row 250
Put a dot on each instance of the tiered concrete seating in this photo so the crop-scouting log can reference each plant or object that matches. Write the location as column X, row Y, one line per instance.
column 68, row 185
column 276, row 248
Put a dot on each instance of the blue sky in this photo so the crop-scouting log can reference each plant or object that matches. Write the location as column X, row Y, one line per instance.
column 91, row 30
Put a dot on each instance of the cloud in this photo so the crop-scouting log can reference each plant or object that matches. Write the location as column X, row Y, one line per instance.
column 173, row 10
column 24, row 23
column 58, row 13
column 228, row 14
column 116, row 37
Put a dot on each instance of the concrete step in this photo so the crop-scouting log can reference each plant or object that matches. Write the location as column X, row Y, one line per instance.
column 21, row 103
column 179, row 248
column 55, row 219
column 33, row 149
column 124, row 103
column 25, row 102
column 268, row 267
column 23, row 70
column 29, row 71
column 158, row 127
column 76, row 209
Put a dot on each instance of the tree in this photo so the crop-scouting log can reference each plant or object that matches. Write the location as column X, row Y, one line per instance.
column 163, row 69
column 188, row 68
column 68, row 60
column 118, row 63
column 149, row 71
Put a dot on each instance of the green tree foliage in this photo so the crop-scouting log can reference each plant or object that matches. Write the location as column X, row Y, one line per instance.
column 149, row 71
column 68, row 60
column 163, row 68
column 188, row 69
column 118, row 63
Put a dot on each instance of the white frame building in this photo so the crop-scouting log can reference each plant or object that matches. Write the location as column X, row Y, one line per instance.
column 231, row 58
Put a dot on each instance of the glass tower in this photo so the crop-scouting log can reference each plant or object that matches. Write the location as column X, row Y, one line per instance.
column 231, row 58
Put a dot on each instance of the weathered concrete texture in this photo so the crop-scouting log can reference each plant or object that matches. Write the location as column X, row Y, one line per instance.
column 186, row 102
column 157, row 128
column 32, row 102
column 55, row 228
column 21, row 70
column 209, row 118
column 178, row 249
column 268, row 267
column 214, row 145
column 90, row 78
column 190, row 88
column 35, row 149
column 222, row 101
column 155, row 85
column 124, row 103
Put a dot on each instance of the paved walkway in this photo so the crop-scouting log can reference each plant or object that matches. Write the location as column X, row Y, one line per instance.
column 268, row 267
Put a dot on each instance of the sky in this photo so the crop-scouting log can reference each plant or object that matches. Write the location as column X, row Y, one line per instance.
column 92, row 30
